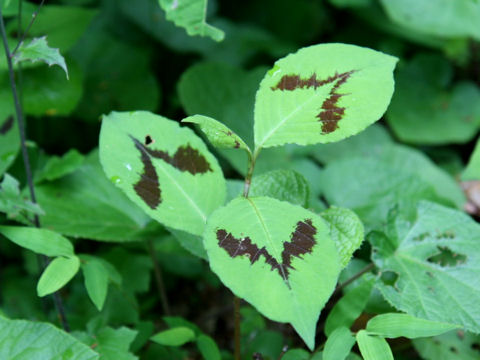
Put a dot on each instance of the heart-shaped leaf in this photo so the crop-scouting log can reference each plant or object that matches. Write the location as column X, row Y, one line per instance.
column 164, row 168
column 277, row 256
column 322, row 93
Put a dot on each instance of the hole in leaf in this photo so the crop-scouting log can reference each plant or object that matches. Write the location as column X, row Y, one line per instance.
column 148, row 140
column 476, row 347
column 389, row 277
column 447, row 257
column 453, row 349
column 446, row 235
column 421, row 237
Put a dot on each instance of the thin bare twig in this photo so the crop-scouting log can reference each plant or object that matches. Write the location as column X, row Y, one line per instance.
column 25, row 33
column 159, row 278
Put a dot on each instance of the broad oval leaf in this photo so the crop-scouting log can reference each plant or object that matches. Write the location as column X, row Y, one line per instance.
column 22, row 339
column 277, row 256
column 174, row 337
column 59, row 272
column 393, row 325
column 164, row 168
column 96, row 281
column 322, row 93
column 464, row 346
column 208, row 348
column 434, row 251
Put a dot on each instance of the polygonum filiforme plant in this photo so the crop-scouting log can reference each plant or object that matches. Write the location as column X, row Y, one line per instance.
column 280, row 257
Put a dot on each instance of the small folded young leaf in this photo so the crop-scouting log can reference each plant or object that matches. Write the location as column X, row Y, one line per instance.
column 395, row 325
column 174, row 337
column 217, row 133
column 38, row 50
column 277, row 256
column 373, row 347
column 208, row 348
column 350, row 306
column 164, row 168
column 338, row 344
column 322, row 93
column 346, row 230
column 191, row 15
column 12, row 202
column 96, row 281
column 40, row 241
column 59, row 272
column 57, row 167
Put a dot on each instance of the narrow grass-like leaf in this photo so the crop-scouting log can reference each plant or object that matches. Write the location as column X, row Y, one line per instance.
column 277, row 256
column 164, row 168
column 395, row 325
column 59, row 272
column 322, row 93
column 40, row 241
column 338, row 344
column 373, row 347
column 174, row 337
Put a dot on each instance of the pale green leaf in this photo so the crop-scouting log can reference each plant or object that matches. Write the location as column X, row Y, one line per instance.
column 472, row 171
column 58, row 273
column 458, row 345
column 275, row 255
column 12, row 202
column 56, row 166
column 338, row 344
column 434, row 252
column 322, row 93
column 285, row 185
column 191, row 15
column 96, row 281
column 164, row 168
column 350, row 306
column 217, row 133
column 25, row 340
column 346, row 230
column 393, row 325
column 427, row 109
column 38, row 50
column 208, row 348
column 373, row 347
column 40, row 241
column 443, row 18
column 174, row 337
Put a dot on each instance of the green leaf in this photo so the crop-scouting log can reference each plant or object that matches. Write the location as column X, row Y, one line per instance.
column 38, row 50
column 114, row 344
column 165, row 169
column 12, row 203
column 22, row 339
column 56, row 166
column 217, row 133
column 472, row 171
column 346, row 230
column 96, row 281
column 174, row 337
column 191, row 15
column 322, row 93
column 208, row 348
column 277, row 256
column 458, row 345
column 9, row 135
column 427, row 109
column 285, row 185
column 338, row 344
column 296, row 354
column 58, row 273
column 437, row 17
column 434, row 252
column 40, row 241
column 86, row 204
column 395, row 325
column 350, row 306
column 373, row 347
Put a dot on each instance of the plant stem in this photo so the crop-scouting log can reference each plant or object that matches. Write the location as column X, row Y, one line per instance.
column 26, row 161
column 248, row 178
column 236, row 314
column 25, row 33
column 158, row 278
column 354, row 277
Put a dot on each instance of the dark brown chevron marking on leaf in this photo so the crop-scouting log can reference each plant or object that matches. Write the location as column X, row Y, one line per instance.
column 302, row 242
column 331, row 113
column 7, row 125
column 148, row 187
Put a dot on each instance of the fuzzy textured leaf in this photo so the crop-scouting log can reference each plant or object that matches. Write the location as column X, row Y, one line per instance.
column 164, row 168
column 459, row 345
column 322, row 93
column 434, row 251
column 191, row 15
column 277, row 256
column 38, row 50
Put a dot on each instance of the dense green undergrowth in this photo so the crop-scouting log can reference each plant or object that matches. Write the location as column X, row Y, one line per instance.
column 317, row 159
